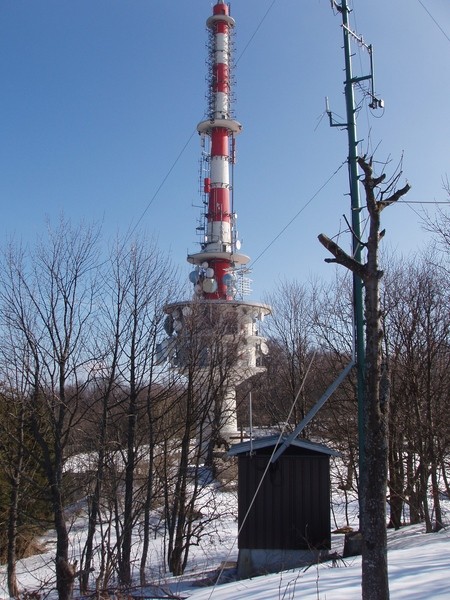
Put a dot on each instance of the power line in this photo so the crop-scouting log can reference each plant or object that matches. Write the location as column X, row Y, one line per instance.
column 298, row 213
column 263, row 18
column 152, row 199
column 433, row 19
column 423, row 202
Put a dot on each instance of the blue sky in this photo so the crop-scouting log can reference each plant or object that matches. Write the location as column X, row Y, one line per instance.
column 98, row 99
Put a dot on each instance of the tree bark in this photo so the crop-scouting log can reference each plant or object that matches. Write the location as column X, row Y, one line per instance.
column 373, row 480
column 13, row 515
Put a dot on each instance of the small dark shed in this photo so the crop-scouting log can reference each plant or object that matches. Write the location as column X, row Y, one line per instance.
column 289, row 520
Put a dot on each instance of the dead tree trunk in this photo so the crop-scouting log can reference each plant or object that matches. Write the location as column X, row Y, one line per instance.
column 373, row 482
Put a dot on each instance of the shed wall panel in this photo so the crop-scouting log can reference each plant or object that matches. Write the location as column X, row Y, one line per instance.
column 292, row 507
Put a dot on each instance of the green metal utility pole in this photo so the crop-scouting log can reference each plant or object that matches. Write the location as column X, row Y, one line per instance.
column 350, row 125
column 356, row 230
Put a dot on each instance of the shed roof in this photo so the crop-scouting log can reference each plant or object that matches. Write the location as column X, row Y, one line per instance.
column 276, row 440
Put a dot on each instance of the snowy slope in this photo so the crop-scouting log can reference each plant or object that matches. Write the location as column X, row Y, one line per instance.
column 419, row 568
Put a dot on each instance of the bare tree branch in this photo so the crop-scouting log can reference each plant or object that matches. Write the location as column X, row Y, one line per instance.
column 371, row 183
column 395, row 196
column 341, row 257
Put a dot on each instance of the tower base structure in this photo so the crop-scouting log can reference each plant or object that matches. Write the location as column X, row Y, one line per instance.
column 215, row 345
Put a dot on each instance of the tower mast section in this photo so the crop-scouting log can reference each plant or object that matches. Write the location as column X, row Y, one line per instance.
column 219, row 257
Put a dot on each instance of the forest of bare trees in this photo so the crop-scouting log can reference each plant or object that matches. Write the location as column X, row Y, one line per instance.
column 91, row 421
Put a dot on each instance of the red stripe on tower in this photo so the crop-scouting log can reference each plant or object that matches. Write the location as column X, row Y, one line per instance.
column 221, row 78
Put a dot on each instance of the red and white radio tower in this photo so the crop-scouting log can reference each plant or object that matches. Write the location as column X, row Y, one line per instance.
column 215, row 274
column 219, row 275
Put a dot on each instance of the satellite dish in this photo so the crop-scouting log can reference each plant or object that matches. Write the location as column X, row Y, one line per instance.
column 264, row 348
column 187, row 311
column 209, row 273
column 238, row 244
column 210, row 286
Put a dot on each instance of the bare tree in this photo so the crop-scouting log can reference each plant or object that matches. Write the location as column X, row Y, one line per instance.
column 12, row 457
column 137, row 283
column 291, row 347
column 417, row 326
column 375, row 583
column 439, row 223
column 47, row 297
column 23, row 499
column 333, row 326
column 144, row 279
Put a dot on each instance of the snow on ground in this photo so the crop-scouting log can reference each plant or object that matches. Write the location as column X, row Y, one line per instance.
column 418, row 570
column 419, row 566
